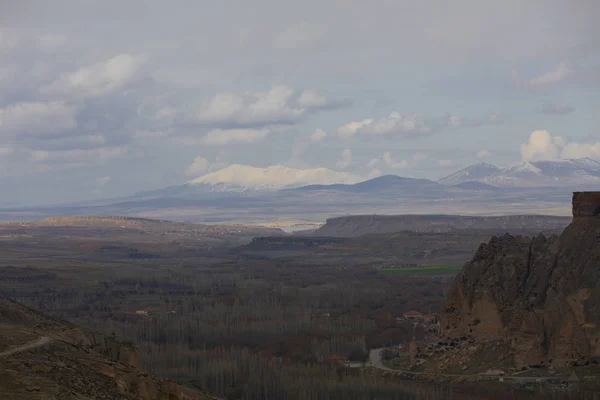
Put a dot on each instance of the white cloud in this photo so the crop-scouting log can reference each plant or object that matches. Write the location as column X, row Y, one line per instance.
column 543, row 146
column 481, row 154
column 398, row 125
column 102, row 181
column 373, row 163
column 557, row 108
column 445, row 163
column 310, row 99
column 220, row 137
column 577, row 150
column 550, row 78
column 77, row 156
column 98, row 79
column 351, row 128
column 37, row 118
column 374, row 173
column 346, row 159
column 411, row 125
column 387, row 158
column 198, row 167
column 281, row 104
column 415, row 161
column 318, row 135
column 6, row 151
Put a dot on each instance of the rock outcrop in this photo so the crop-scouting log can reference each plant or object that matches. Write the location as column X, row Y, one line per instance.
column 541, row 295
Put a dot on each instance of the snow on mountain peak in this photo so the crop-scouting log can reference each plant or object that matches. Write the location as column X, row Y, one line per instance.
column 568, row 172
column 244, row 177
column 473, row 172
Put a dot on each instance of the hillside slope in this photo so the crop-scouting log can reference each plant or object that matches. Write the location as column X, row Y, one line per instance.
column 539, row 295
column 43, row 358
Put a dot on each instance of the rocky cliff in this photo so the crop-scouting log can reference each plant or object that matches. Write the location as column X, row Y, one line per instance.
column 540, row 295
column 43, row 358
column 358, row 225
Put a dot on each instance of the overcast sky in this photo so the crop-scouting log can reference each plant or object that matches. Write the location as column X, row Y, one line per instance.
column 106, row 98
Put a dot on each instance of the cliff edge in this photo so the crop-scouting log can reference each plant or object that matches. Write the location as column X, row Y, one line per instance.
column 540, row 295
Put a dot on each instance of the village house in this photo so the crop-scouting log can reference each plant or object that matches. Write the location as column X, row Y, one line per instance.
column 431, row 318
column 413, row 315
column 146, row 312
column 339, row 360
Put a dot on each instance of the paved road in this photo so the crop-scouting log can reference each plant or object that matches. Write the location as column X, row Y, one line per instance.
column 376, row 362
column 28, row 346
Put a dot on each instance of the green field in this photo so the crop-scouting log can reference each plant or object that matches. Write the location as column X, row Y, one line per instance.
column 428, row 270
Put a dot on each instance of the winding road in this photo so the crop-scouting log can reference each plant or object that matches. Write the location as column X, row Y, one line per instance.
column 376, row 362
column 27, row 346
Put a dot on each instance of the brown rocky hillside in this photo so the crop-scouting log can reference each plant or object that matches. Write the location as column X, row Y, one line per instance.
column 540, row 296
column 43, row 358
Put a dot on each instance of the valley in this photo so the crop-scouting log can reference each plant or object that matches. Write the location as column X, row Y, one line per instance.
column 204, row 304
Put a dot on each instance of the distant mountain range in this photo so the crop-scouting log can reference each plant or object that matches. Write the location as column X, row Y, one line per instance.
column 238, row 178
column 246, row 180
column 242, row 193
column 561, row 173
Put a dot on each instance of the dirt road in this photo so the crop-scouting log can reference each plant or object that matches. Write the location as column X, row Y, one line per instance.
column 28, row 346
column 376, row 362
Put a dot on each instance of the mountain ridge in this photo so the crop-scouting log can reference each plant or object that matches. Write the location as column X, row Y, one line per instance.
column 556, row 173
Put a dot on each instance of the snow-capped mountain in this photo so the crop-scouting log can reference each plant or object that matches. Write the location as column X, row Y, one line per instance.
column 559, row 173
column 475, row 172
column 240, row 178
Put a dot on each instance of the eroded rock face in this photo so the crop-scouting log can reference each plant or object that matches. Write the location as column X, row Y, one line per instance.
column 540, row 294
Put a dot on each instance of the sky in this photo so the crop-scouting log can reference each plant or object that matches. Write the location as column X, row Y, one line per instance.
column 101, row 99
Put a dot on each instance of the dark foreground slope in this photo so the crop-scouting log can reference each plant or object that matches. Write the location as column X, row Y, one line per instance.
column 43, row 358
column 540, row 295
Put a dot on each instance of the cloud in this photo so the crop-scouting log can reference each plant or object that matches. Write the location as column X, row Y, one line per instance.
column 445, row 163
column 280, row 105
column 374, row 173
column 543, row 146
column 414, row 162
column 387, row 158
column 411, row 125
column 221, row 137
column 98, row 79
column 557, row 108
column 198, row 167
column 346, row 159
column 455, row 121
column 373, row 163
column 560, row 73
column 481, row 154
column 350, row 129
column 37, row 118
column 579, row 150
column 102, row 181
column 77, row 156
column 318, row 135
column 6, row 151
